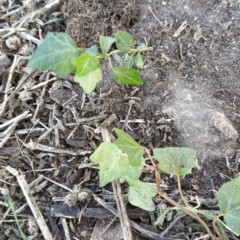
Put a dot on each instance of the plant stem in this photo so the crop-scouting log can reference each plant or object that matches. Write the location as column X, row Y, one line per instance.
column 149, row 167
column 132, row 50
column 214, row 225
column 110, row 63
column 196, row 217
column 157, row 172
column 150, row 157
column 182, row 197
column 113, row 52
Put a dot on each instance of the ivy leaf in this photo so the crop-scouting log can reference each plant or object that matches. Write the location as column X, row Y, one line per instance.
column 118, row 59
column 176, row 161
column 55, row 53
column 105, row 44
column 125, row 75
column 124, row 41
column 229, row 204
column 140, row 194
column 85, row 64
column 129, row 60
column 92, row 51
column 130, row 147
column 89, row 81
column 113, row 163
column 139, row 60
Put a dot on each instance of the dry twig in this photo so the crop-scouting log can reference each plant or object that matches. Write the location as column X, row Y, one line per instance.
column 126, row 228
column 37, row 146
column 9, row 131
column 65, row 228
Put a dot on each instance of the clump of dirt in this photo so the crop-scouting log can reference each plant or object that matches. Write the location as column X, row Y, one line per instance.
column 86, row 20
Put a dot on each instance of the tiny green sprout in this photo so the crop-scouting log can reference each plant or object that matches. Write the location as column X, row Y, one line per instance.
column 60, row 54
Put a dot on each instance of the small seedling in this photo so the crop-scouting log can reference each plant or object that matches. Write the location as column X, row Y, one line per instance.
column 59, row 53
column 124, row 159
column 11, row 206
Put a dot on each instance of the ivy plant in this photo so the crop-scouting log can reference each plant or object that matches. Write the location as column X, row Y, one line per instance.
column 124, row 159
column 59, row 53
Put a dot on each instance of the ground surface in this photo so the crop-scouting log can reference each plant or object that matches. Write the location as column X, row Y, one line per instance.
column 190, row 97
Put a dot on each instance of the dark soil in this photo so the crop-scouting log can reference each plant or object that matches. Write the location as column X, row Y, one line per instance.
column 190, row 98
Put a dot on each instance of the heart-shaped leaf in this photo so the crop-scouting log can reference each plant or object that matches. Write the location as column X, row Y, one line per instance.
column 130, row 147
column 85, row 64
column 92, row 51
column 140, row 194
column 125, row 75
column 55, row 53
column 89, row 81
column 113, row 163
column 124, row 41
column 175, row 160
column 229, row 204
column 105, row 44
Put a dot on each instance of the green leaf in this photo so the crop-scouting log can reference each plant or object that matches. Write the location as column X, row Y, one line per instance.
column 124, row 41
column 176, row 161
column 89, row 81
column 130, row 147
column 11, row 205
column 85, row 64
column 161, row 218
column 55, row 53
column 105, row 44
column 129, row 60
column 113, row 163
column 229, row 204
column 125, row 75
column 139, row 60
column 142, row 46
column 92, row 51
column 140, row 194
column 118, row 59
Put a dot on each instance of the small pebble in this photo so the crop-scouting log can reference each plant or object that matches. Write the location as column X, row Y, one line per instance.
column 13, row 43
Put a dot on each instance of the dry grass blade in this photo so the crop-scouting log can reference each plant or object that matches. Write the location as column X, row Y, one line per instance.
column 8, row 132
